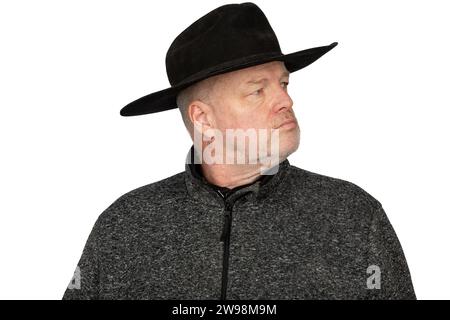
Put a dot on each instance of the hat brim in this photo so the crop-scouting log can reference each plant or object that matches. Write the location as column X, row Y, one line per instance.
column 166, row 99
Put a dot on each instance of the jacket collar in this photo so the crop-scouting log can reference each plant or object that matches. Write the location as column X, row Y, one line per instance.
column 199, row 188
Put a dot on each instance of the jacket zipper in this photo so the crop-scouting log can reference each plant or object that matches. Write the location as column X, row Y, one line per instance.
column 225, row 238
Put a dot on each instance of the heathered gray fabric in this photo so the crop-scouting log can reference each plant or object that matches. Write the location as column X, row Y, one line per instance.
column 301, row 235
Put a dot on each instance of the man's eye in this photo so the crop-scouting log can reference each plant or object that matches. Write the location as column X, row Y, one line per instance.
column 257, row 92
column 285, row 84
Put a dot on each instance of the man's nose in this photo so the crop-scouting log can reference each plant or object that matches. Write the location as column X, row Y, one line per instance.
column 282, row 101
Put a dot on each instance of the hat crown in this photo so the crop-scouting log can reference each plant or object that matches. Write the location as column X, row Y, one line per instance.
column 226, row 34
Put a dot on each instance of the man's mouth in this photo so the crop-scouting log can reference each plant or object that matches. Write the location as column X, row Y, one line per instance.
column 290, row 123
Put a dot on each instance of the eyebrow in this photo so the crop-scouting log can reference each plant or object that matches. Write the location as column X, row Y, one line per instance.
column 256, row 81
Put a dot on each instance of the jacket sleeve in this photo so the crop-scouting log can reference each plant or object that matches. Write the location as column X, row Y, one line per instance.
column 388, row 275
column 85, row 282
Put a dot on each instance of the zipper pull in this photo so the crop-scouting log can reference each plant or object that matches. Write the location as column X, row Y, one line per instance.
column 221, row 194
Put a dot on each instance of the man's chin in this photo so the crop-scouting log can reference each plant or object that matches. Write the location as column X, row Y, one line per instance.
column 289, row 143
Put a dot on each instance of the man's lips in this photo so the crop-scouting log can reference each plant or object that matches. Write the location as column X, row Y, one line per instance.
column 287, row 123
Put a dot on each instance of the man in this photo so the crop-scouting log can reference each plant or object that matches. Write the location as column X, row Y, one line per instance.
column 260, row 228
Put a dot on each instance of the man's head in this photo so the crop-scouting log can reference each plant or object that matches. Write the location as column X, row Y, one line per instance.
column 251, row 98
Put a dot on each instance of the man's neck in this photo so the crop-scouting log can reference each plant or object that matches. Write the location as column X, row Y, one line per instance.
column 231, row 176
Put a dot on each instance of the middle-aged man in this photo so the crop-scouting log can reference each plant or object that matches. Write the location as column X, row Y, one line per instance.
column 260, row 228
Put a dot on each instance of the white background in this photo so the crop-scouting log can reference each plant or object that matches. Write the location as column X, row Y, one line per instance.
column 373, row 111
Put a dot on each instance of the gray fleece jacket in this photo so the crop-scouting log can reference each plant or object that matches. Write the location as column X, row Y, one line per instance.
column 295, row 235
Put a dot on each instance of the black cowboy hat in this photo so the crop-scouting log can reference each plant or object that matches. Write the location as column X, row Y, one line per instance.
column 228, row 38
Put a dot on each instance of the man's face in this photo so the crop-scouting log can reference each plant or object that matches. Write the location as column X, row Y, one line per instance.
column 257, row 98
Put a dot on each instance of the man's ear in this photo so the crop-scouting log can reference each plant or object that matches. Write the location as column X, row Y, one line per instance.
column 200, row 115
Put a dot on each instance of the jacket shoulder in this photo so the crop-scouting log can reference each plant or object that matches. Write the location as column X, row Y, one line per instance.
column 159, row 191
column 146, row 198
column 331, row 188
